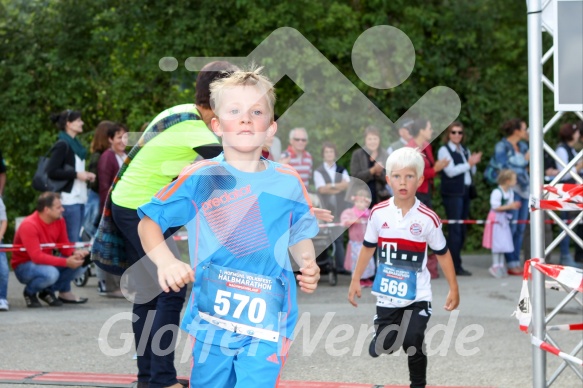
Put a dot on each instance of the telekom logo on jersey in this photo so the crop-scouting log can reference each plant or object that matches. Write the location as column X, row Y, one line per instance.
column 401, row 250
column 225, row 198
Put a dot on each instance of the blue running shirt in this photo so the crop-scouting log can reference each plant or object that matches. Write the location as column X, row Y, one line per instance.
column 240, row 226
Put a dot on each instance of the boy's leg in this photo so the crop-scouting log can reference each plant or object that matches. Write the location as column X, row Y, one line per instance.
column 260, row 363
column 390, row 328
column 36, row 277
column 212, row 366
column 414, row 344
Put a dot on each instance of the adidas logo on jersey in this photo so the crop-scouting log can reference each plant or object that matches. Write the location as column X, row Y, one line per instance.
column 273, row 358
column 385, row 226
column 225, row 198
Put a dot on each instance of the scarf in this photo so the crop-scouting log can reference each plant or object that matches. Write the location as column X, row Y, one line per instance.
column 75, row 145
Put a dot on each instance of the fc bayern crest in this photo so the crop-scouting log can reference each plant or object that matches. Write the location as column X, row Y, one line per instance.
column 415, row 229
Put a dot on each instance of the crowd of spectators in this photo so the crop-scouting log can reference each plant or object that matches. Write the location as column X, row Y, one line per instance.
column 331, row 185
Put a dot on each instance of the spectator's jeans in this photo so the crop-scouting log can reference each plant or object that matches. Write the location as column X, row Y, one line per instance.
column 91, row 213
column 4, row 272
column 160, row 317
column 456, row 208
column 37, row 277
column 73, row 216
column 513, row 258
column 564, row 244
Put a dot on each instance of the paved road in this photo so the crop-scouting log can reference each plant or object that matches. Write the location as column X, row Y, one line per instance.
column 478, row 345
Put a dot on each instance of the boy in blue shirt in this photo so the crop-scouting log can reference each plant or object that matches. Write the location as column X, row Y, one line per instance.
column 401, row 228
column 242, row 212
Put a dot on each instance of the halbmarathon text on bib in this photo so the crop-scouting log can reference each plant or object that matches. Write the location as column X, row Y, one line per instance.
column 241, row 302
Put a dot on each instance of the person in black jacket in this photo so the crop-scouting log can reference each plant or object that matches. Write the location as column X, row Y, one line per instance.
column 67, row 162
column 456, row 180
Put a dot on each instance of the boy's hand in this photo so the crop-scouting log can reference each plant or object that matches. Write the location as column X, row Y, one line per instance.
column 323, row 214
column 308, row 280
column 174, row 274
column 354, row 290
column 452, row 300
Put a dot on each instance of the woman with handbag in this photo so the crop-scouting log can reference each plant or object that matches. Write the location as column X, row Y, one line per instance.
column 67, row 163
column 457, row 188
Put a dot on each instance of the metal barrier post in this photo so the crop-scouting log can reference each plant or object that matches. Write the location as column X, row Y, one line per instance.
column 535, row 120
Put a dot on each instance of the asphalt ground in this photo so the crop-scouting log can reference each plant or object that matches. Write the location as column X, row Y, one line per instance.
column 478, row 345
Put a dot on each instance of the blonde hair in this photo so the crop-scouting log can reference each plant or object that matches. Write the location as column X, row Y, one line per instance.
column 504, row 176
column 406, row 157
column 251, row 77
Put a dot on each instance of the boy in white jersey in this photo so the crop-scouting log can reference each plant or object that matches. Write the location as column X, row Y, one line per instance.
column 401, row 228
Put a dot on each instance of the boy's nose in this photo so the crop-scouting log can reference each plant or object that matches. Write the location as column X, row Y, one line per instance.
column 245, row 117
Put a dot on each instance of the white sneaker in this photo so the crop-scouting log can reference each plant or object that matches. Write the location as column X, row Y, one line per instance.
column 3, row 305
column 494, row 272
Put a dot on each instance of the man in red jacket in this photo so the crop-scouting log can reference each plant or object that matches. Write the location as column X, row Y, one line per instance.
column 37, row 268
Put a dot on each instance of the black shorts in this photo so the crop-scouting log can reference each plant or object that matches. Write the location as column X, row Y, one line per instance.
column 401, row 327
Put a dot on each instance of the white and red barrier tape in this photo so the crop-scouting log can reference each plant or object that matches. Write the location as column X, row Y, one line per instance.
column 568, row 276
column 571, row 278
column 78, row 245
column 466, row 222
column 566, row 327
column 560, row 197
column 557, row 352
column 184, row 236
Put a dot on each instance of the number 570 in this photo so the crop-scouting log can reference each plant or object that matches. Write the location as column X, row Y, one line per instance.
column 255, row 313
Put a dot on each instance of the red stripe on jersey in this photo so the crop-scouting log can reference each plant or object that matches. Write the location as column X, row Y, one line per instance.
column 405, row 245
column 378, row 206
column 431, row 214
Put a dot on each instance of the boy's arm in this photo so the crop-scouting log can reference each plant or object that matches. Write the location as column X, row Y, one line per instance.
column 363, row 259
column 172, row 273
column 453, row 296
column 305, row 256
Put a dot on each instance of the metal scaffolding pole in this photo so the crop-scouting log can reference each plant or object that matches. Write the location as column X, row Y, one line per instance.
column 535, row 119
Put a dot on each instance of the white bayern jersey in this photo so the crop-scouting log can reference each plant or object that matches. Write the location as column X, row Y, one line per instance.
column 402, row 242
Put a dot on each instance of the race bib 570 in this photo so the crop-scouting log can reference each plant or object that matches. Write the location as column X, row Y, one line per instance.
column 241, row 302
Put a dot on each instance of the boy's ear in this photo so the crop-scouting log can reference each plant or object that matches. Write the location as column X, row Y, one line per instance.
column 387, row 179
column 421, row 179
column 272, row 129
column 216, row 126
